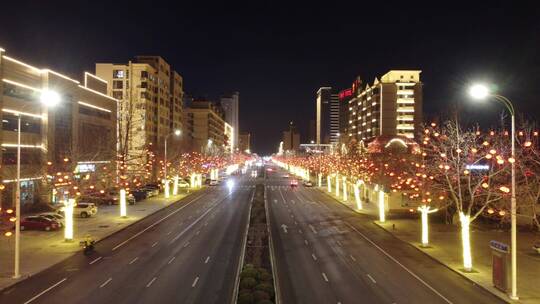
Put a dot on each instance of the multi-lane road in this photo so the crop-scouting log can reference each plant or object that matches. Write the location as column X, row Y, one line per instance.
column 190, row 251
column 186, row 253
column 326, row 253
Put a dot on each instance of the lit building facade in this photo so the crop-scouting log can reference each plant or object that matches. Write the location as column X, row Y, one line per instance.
column 228, row 138
column 151, row 96
column 244, row 142
column 389, row 106
column 291, row 139
column 327, row 116
column 206, row 124
column 77, row 134
column 230, row 105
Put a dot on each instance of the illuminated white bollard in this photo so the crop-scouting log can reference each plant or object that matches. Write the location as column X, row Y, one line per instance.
column 175, row 186
column 329, row 183
column 382, row 207
column 319, row 176
column 192, row 180
column 424, row 212
column 166, row 188
column 357, row 196
column 68, row 218
column 216, row 177
column 123, row 208
column 466, row 240
column 344, row 179
column 199, row 180
column 337, row 185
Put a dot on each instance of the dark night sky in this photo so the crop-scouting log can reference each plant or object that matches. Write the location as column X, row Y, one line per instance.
column 278, row 55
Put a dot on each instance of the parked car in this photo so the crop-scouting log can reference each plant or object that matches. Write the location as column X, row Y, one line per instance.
column 55, row 217
column 151, row 191
column 37, row 222
column 115, row 195
column 308, row 184
column 153, row 186
column 183, row 184
column 139, row 194
column 85, row 209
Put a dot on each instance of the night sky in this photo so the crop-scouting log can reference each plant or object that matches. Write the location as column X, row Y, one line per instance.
column 278, row 55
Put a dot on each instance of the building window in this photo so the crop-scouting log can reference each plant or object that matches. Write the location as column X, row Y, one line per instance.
column 118, row 74
column 144, row 74
column 28, row 124
column 117, row 94
column 118, row 84
column 144, row 85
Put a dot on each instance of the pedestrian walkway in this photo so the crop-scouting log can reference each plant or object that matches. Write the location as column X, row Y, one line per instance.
column 445, row 247
column 42, row 249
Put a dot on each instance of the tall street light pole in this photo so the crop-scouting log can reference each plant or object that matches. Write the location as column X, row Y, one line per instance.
column 482, row 92
column 49, row 99
column 177, row 133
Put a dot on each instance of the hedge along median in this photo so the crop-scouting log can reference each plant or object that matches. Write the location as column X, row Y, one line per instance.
column 256, row 280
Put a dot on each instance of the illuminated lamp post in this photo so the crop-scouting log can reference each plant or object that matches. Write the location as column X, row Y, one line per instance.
column 175, row 187
column 123, row 208
column 177, row 133
column 481, row 92
column 382, row 207
column 329, row 183
column 68, row 215
column 357, row 195
column 49, row 99
column 319, row 176
column 344, row 179
column 337, row 185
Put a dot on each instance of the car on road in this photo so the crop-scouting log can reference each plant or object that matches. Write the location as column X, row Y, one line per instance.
column 308, row 184
column 85, row 209
column 213, row 182
column 294, row 183
column 37, row 222
column 55, row 217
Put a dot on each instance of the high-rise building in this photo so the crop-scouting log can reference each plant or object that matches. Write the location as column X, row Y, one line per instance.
column 390, row 106
column 228, row 134
column 206, row 122
column 291, row 138
column 150, row 95
column 78, row 134
column 244, row 142
column 312, row 131
column 230, row 105
column 344, row 97
column 327, row 116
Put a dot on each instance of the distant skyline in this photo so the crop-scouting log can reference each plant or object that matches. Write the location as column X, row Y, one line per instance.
column 277, row 56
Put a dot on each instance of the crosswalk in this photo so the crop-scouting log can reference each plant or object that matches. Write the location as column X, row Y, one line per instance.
column 277, row 187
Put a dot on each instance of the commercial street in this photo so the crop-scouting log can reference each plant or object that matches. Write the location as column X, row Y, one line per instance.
column 326, row 253
column 186, row 253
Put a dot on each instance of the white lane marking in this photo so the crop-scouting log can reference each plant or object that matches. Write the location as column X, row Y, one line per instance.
column 275, row 201
column 397, row 262
column 46, row 290
column 313, row 256
column 292, row 201
column 207, row 259
column 172, row 259
column 95, row 260
column 305, row 241
column 312, row 228
column 205, row 223
column 154, row 245
column 180, row 224
column 186, row 244
column 150, row 283
column 352, row 257
column 284, row 227
column 154, row 224
column 197, row 233
column 371, row 278
column 195, row 282
column 295, row 222
column 300, row 231
column 169, row 232
column 105, row 283
column 190, row 217
column 191, row 225
column 134, row 260
column 339, row 244
column 325, row 277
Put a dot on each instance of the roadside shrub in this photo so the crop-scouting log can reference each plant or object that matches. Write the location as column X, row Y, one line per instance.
column 266, row 288
column 259, row 295
column 249, row 273
column 248, row 283
column 265, row 277
column 246, row 298
column 265, row 302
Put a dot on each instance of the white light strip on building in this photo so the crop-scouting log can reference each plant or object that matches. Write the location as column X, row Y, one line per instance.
column 94, row 107
column 94, row 162
column 2, row 50
column 405, row 110
column 22, row 63
column 5, row 181
column 93, row 76
column 60, row 75
column 21, row 85
column 99, row 93
column 22, row 113
column 23, row 146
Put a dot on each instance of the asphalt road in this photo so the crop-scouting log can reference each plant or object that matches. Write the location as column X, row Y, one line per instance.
column 186, row 253
column 326, row 253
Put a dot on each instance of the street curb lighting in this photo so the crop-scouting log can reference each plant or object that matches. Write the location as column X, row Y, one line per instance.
column 68, row 218
column 123, row 209
column 425, row 211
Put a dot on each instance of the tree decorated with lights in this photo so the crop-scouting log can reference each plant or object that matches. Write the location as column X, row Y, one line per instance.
column 470, row 167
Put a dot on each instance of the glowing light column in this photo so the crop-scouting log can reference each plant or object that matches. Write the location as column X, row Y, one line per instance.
column 175, row 186
column 382, row 207
column 192, row 180
column 329, row 183
column 344, row 179
column 466, row 240
column 319, row 176
column 166, row 182
column 357, row 195
column 123, row 209
column 337, row 185
column 68, row 216
column 425, row 211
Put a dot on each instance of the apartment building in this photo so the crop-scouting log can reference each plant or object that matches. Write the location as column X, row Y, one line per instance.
column 390, row 106
column 77, row 134
column 327, row 116
column 244, row 142
column 205, row 121
column 150, row 95
column 230, row 105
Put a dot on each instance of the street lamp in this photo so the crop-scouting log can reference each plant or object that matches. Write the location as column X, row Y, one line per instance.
column 177, row 133
column 49, row 99
column 481, row 92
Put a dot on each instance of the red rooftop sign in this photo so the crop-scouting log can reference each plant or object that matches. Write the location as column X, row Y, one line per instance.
column 345, row 93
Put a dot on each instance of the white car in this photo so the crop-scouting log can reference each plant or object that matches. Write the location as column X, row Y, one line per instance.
column 84, row 209
column 183, row 184
column 55, row 217
column 214, row 182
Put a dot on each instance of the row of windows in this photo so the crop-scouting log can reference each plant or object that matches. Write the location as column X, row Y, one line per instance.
column 28, row 124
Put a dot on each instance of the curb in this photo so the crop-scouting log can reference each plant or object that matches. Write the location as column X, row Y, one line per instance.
column 498, row 295
column 23, row 278
column 277, row 291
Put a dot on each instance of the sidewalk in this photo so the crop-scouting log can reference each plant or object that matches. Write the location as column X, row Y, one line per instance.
column 42, row 249
column 445, row 247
